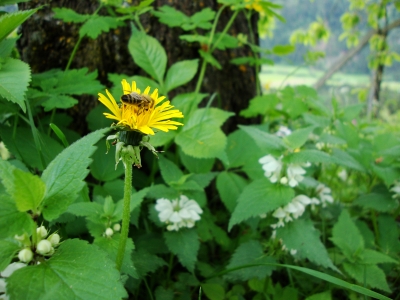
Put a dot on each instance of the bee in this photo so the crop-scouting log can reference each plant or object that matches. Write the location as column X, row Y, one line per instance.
column 143, row 102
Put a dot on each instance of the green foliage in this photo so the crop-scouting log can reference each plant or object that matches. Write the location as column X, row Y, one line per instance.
column 9, row 22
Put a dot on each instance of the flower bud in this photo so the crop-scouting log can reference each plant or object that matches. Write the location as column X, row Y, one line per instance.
column 20, row 237
column 42, row 232
column 117, row 227
column 43, row 247
column 25, row 255
column 54, row 239
column 284, row 180
column 109, row 232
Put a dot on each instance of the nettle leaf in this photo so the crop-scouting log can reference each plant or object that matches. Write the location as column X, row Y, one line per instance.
column 29, row 190
column 388, row 174
column 146, row 262
column 8, row 248
column 312, row 156
column 170, row 16
column 212, row 116
column 148, row 54
column 78, row 270
column 213, row 291
column 388, row 238
column 201, row 20
column 373, row 257
column 9, row 22
column 298, row 137
column 372, row 275
column 347, row 237
column 64, row 176
column 260, row 105
column 169, row 171
column 69, row 15
column 180, row 73
column 260, row 197
column 382, row 202
column 59, row 101
column 6, row 47
column 96, row 25
column 185, row 244
column 196, row 165
column 302, row 236
column 110, row 245
column 250, row 252
column 342, row 158
column 14, row 78
column 230, row 186
column 103, row 166
column 265, row 141
column 208, row 57
column 203, row 180
column 76, row 82
column 188, row 102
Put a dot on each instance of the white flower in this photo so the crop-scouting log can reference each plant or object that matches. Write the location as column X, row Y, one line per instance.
column 109, row 232
column 7, row 272
column 297, row 206
column 295, row 173
column 283, row 131
column 25, row 255
column 117, row 227
column 42, row 232
column 44, row 247
column 396, row 189
column 281, row 215
column 324, row 194
column 178, row 214
column 343, row 175
column 54, row 239
column 272, row 167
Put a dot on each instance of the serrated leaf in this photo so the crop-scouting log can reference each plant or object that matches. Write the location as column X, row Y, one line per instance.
column 298, row 137
column 8, row 248
column 208, row 57
column 184, row 244
column 312, row 156
column 230, row 186
column 373, row 257
column 265, row 141
column 148, row 54
column 59, row 101
column 203, row 180
column 6, row 47
column 14, row 78
column 85, row 209
column 342, row 158
column 372, row 275
column 29, row 190
column 202, row 19
column 213, row 291
column 180, row 73
column 388, row 174
column 103, row 166
column 146, row 262
column 170, row 16
column 212, row 116
column 347, row 237
column 69, row 15
column 260, row 105
column 64, row 176
column 250, row 252
column 96, row 25
column 9, row 22
column 77, row 269
column 388, row 238
column 260, row 197
column 196, row 165
column 377, row 201
column 188, row 102
column 227, row 41
column 302, row 236
column 110, row 245
column 169, row 171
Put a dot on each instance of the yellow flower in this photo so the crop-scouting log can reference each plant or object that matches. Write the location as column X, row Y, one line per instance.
column 255, row 5
column 132, row 118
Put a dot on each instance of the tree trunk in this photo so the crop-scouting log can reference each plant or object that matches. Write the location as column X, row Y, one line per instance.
column 47, row 43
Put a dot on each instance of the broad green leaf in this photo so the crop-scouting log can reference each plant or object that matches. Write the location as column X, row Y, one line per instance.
column 260, row 197
column 213, row 291
column 103, row 166
column 201, row 19
column 203, row 180
column 69, row 15
column 170, row 16
column 388, row 238
column 146, row 262
column 163, row 138
column 315, row 120
column 260, row 105
column 6, row 47
column 331, row 139
column 110, row 245
column 202, row 141
column 169, row 171
column 211, row 116
column 320, row 296
column 298, row 137
column 227, row 41
column 64, row 176
column 351, row 112
column 9, row 22
column 250, row 252
column 86, row 209
column 29, row 190
column 95, row 122
column 148, row 54
column 8, row 248
column 312, row 156
column 377, row 201
column 342, row 158
column 373, row 257
column 162, row 293
column 372, row 275
column 294, row 106
column 59, row 101
column 185, row 244
column 387, row 174
column 77, row 269
column 302, row 236
column 96, row 25
column 180, row 73
column 196, row 165
column 187, row 103
column 265, row 141
column 349, row 133
column 283, row 49
column 230, row 186
column 347, row 237
column 208, row 57
column 14, row 78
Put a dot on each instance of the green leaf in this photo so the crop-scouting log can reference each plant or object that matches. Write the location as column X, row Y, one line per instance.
column 342, row 158
column 201, row 20
column 298, row 137
column 184, row 244
column 265, row 141
column 250, row 252
column 77, row 269
column 59, row 101
column 7, row 46
column 377, row 201
column 213, row 291
column 227, row 41
column 302, row 236
column 208, row 57
column 347, row 237
column 69, row 15
column 212, row 116
column 283, row 49
column 260, row 197
column 388, row 174
column 312, row 156
column 170, row 16
column 9, row 22
column 372, row 257
column 187, row 103
column 169, row 171
column 148, row 54
column 388, row 238
column 110, row 245
column 230, row 186
column 64, row 176
column 180, row 73
column 103, row 166
column 146, row 262
column 96, row 25
column 14, row 78
column 372, row 275
column 196, row 165
column 8, row 248
column 260, row 105
column 320, row 296
column 29, row 190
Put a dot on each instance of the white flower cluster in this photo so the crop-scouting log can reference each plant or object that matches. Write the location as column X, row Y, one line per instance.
column 283, row 131
column 178, row 213
column 396, row 190
column 110, row 231
column 274, row 170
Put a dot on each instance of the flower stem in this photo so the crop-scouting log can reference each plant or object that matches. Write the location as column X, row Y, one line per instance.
column 125, row 213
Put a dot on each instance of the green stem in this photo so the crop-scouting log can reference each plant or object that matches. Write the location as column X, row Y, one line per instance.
column 148, row 289
column 201, row 76
column 35, row 133
column 171, row 260
column 73, row 53
column 53, row 113
column 257, row 66
column 126, row 213
column 228, row 25
column 215, row 25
